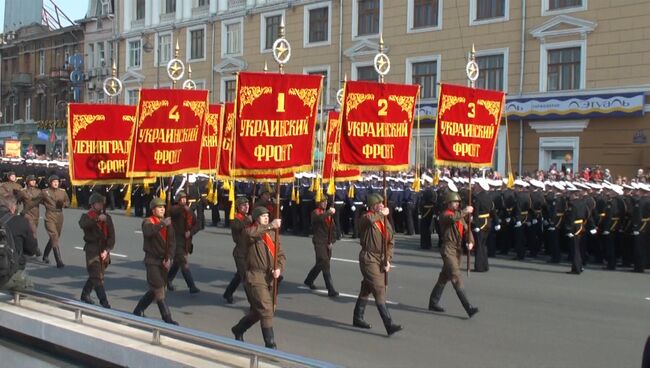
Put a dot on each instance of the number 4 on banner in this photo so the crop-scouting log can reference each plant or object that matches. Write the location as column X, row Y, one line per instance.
column 174, row 114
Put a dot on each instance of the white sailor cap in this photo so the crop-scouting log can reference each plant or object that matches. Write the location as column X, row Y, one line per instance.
column 537, row 183
column 482, row 183
column 452, row 186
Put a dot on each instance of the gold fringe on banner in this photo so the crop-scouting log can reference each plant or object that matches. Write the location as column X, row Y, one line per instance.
column 73, row 201
column 146, row 189
column 416, row 184
column 351, row 191
column 293, row 193
column 297, row 195
column 436, row 178
column 127, row 199
column 331, row 188
column 231, row 192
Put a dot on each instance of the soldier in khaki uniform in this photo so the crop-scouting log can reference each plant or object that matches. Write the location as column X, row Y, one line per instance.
column 453, row 229
column 260, row 274
column 185, row 226
column 240, row 252
column 11, row 188
column 374, row 261
column 32, row 197
column 322, row 224
column 99, row 239
column 54, row 200
column 159, row 246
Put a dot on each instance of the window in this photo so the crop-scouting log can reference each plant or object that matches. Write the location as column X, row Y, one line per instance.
column 425, row 73
column 231, row 40
column 139, row 9
column 563, row 70
column 491, row 72
column 28, row 109
column 41, row 62
column 91, row 55
column 270, row 29
column 165, row 51
column 105, row 7
column 324, row 71
column 197, row 43
column 228, row 89
column 553, row 7
column 368, row 17
column 101, row 54
column 100, row 96
column 169, row 6
column 488, row 11
column 317, row 21
column 200, row 3
column 132, row 96
column 425, row 14
column 366, row 73
column 133, row 54
column 562, row 4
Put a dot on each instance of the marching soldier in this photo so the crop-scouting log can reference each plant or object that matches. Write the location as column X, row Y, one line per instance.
column 612, row 233
column 99, row 239
column 307, row 205
column 31, row 199
column 159, row 246
column 323, row 239
column 11, row 188
column 260, row 273
column 54, row 200
column 185, row 226
column 241, row 221
column 484, row 215
column 453, row 227
column 376, row 238
column 577, row 221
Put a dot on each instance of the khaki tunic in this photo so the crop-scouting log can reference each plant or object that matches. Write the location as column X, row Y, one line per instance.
column 184, row 246
column 95, row 242
column 240, row 251
column 54, row 201
column 451, row 247
column 11, row 189
column 322, row 225
column 259, row 278
column 371, row 257
column 32, row 198
column 156, row 250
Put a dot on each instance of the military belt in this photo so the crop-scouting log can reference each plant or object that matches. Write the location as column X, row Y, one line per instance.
column 357, row 203
column 339, row 202
column 578, row 222
column 484, row 215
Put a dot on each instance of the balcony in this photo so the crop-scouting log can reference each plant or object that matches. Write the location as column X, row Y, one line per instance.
column 59, row 73
column 200, row 11
column 22, row 80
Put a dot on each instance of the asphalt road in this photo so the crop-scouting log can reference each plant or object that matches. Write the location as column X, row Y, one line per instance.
column 532, row 314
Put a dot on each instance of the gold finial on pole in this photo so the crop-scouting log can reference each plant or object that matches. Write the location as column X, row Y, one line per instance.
column 189, row 71
column 177, row 50
column 381, row 61
column 266, row 66
column 471, row 69
column 114, row 69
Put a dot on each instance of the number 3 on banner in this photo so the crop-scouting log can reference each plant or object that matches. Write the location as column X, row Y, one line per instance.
column 472, row 110
column 280, row 103
column 174, row 114
column 383, row 107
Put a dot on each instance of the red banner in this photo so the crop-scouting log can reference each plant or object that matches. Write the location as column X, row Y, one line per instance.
column 99, row 142
column 211, row 141
column 276, row 119
column 467, row 125
column 376, row 125
column 227, row 129
column 169, row 131
column 330, row 164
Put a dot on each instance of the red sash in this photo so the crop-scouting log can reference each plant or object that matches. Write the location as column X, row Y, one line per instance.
column 270, row 245
column 101, row 224
column 328, row 219
column 240, row 216
column 381, row 227
column 163, row 232
column 189, row 219
column 459, row 224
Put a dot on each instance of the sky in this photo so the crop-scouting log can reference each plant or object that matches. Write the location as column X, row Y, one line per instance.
column 74, row 9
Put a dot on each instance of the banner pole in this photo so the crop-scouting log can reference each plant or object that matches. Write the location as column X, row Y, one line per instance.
column 469, row 222
column 277, row 243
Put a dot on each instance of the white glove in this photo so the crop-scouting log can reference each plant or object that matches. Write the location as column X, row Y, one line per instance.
column 593, row 231
column 545, row 223
column 570, row 235
column 528, row 224
column 508, row 219
column 635, row 233
column 534, row 221
column 518, row 224
column 497, row 227
column 605, row 232
column 281, row 208
column 353, row 208
column 476, row 229
column 551, row 228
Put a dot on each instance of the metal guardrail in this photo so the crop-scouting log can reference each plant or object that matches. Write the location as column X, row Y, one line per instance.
column 255, row 353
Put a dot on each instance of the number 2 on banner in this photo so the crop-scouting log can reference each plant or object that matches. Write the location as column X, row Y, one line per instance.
column 174, row 114
column 280, row 103
column 472, row 110
column 383, row 107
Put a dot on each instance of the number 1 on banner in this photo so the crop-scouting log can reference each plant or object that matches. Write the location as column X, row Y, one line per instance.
column 174, row 114
column 280, row 103
column 383, row 107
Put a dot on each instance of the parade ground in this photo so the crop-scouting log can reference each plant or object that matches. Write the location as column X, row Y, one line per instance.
column 532, row 314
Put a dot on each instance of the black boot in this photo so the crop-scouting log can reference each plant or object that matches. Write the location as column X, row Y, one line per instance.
column 165, row 313
column 85, row 293
column 171, row 274
column 311, row 276
column 269, row 339
column 234, row 283
column 46, row 253
column 144, row 302
column 470, row 309
column 434, row 299
column 388, row 322
column 327, row 275
column 241, row 327
column 57, row 257
column 101, row 295
column 189, row 280
column 359, row 311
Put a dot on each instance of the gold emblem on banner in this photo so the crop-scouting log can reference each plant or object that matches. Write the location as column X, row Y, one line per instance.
column 149, row 107
column 308, row 96
column 405, row 102
column 250, row 94
column 493, row 107
column 356, row 99
column 212, row 122
column 129, row 118
column 448, row 102
column 80, row 122
column 197, row 107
